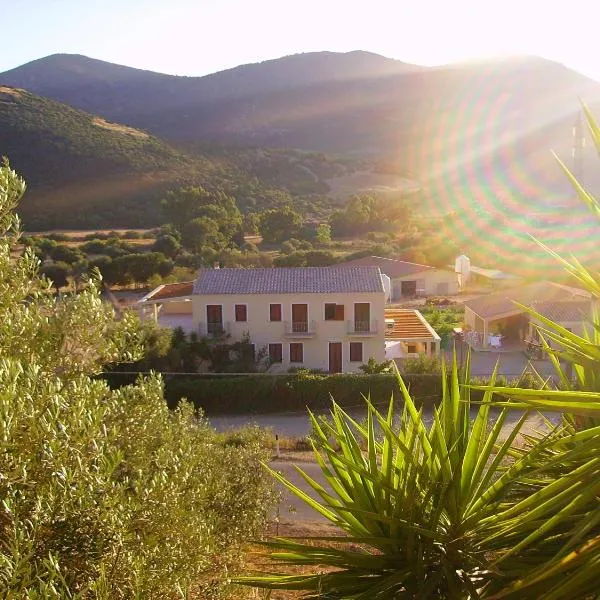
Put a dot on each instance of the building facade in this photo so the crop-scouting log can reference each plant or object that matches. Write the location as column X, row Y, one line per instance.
column 328, row 318
column 410, row 280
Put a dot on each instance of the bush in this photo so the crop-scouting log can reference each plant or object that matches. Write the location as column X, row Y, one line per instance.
column 263, row 393
column 106, row 493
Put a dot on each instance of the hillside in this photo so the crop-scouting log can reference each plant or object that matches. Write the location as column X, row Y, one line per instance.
column 80, row 167
column 84, row 171
column 492, row 122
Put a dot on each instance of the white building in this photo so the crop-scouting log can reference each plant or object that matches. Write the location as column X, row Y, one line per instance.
column 411, row 280
column 329, row 318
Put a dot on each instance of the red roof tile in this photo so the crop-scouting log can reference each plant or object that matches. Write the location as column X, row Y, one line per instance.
column 173, row 290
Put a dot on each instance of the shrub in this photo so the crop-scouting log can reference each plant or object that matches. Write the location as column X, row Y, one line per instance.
column 105, row 493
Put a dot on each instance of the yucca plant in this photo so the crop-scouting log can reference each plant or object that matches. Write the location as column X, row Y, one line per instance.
column 459, row 509
column 444, row 511
column 573, row 571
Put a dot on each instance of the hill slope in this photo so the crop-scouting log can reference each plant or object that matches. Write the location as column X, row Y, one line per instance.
column 81, row 168
column 449, row 124
column 86, row 172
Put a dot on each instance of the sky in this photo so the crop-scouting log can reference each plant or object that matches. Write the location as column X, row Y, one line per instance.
column 197, row 37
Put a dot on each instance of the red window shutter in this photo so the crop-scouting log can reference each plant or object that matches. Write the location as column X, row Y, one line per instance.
column 241, row 312
column 339, row 312
column 356, row 352
column 275, row 312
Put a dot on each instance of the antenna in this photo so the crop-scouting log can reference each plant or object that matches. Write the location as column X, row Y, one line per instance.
column 578, row 146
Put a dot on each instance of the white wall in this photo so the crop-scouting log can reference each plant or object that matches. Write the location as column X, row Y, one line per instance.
column 428, row 281
column 316, row 349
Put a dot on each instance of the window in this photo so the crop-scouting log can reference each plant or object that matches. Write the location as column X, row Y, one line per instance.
column 274, row 312
column 296, row 352
column 275, row 351
column 241, row 312
column 334, row 312
column 411, row 349
column 356, row 352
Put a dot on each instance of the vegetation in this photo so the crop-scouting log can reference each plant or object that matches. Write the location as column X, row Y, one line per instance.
column 453, row 510
column 106, row 493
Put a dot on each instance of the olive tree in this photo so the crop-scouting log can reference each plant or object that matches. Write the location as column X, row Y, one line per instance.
column 104, row 493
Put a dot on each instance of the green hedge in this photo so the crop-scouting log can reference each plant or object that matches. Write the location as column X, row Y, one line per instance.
column 261, row 394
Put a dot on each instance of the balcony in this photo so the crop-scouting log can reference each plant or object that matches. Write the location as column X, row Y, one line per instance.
column 300, row 329
column 213, row 330
column 362, row 328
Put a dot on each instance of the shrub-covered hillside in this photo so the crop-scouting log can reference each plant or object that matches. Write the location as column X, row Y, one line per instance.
column 82, row 167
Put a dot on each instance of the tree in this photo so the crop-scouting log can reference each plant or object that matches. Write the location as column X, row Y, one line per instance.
column 202, row 232
column 65, row 254
column 57, row 273
column 106, row 493
column 166, row 244
column 186, row 204
column 279, row 224
column 323, row 233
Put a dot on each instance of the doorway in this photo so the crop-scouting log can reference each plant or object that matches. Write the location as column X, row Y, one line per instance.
column 335, row 357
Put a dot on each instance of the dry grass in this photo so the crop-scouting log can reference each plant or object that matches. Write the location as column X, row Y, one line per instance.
column 8, row 90
column 257, row 560
column 119, row 128
column 367, row 181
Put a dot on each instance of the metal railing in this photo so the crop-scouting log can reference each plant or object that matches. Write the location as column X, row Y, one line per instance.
column 362, row 327
column 300, row 328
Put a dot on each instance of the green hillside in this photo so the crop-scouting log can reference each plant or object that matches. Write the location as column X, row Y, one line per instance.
column 84, row 170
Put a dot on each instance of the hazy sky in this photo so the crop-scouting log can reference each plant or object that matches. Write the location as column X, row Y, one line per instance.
column 196, row 37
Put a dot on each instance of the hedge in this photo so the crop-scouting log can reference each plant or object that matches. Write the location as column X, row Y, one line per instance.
column 260, row 393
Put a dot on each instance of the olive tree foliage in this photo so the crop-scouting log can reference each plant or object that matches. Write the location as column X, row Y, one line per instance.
column 104, row 493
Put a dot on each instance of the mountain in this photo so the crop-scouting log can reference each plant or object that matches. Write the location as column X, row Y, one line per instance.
column 134, row 95
column 473, row 133
column 434, row 122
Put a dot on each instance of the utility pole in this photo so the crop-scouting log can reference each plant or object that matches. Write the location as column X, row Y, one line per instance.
column 578, row 146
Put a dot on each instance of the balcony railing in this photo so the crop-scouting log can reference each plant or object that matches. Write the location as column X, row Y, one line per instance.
column 362, row 328
column 213, row 329
column 300, row 329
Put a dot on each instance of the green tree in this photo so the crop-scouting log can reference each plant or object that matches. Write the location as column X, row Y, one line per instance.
column 65, row 254
column 57, row 273
column 202, row 232
column 323, row 233
column 166, row 244
column 279, row 224
column 186, row 204
column 105, row 493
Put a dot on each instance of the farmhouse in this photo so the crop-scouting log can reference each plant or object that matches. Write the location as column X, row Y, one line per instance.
column 329, row 318
column 409, row 280
column 499, row 315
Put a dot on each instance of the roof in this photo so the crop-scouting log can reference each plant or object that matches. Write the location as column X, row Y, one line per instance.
column 170, row 290
column 493, row 273
column 543, row 294
column 390, row 266
column 563, row 312
column 289, row 280
column 408, row 324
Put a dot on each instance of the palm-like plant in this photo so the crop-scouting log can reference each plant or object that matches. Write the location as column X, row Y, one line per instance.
column 456, row 509
column 431, row 512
